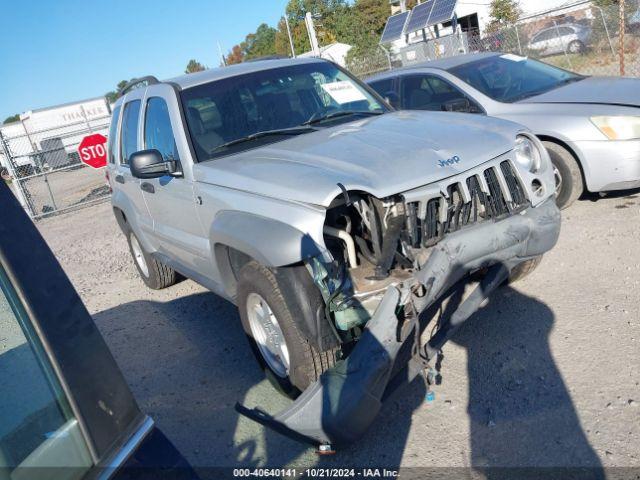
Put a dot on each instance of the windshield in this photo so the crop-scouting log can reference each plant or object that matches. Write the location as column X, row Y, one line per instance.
column 509, row 78
column 244, row 111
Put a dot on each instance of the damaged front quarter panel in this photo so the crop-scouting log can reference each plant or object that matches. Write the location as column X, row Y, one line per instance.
column 342, row 404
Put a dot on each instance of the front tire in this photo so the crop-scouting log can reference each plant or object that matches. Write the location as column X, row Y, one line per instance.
column 569, row 183
column 577, row 47
column 289, row 361
column 154, row 274
column 524, row 269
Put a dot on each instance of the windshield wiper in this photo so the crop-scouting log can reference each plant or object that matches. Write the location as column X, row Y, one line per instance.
column 266, row 133
column 315, row 118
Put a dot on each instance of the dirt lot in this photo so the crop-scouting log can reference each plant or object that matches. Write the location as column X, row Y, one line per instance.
column 547, row 374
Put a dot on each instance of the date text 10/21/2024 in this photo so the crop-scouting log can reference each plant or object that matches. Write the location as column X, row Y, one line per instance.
column 316, row 473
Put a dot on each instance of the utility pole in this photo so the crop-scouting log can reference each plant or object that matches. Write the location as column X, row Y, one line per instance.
column 223, row 61
column 313, row 39
column 293, row 50
column 622, row 32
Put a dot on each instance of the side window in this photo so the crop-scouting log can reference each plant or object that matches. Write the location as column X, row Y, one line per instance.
column 383, row 87
column 430, row 92
column 417, row 94
column 541, row 37
column 158, row 133
column 37, row 426
column 129, row 130
column 113, row 132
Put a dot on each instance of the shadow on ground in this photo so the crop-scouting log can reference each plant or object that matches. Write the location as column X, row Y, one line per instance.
column 630, row 197
column 188, row 362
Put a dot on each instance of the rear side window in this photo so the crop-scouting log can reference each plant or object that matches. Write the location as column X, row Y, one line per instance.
column 113, row 132
column 542, row 36
column 383, row 87
column 158, row 133
column 129, row 135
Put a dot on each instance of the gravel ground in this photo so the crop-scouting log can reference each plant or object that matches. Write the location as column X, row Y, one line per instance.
column 546, row 374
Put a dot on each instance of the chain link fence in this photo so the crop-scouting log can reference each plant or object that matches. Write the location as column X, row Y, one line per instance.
column 43, row 167
column 580, row 37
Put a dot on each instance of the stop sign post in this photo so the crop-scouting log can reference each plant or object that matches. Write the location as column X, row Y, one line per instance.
column 93, row 150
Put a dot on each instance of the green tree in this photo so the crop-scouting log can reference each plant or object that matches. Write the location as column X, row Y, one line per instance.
column 113, row 96
column 194, row 66
column 12, row 118
column 261, row 43
column 328, row 15
column 359, row 23
column 363, row 24
column 503, row 13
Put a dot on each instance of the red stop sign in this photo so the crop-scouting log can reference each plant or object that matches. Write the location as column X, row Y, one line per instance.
column 93, row 150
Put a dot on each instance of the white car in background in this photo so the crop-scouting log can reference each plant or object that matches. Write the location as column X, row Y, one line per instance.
column 569, row 37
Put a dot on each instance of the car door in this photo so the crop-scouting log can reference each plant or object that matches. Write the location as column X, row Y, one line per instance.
column 125, row 184
column 170, row 199
column 564, row 36
column 541, row 42
column 388, row 89
column 38, row 427
column 425, row 91
column 66, row 411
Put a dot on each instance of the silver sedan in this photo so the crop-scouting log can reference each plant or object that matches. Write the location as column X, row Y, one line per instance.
column 590, row 125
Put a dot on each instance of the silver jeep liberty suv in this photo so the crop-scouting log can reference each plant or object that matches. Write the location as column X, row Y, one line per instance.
column 293, row 190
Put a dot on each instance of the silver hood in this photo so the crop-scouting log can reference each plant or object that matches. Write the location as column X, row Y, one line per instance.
column 595, row 90
column 383, row 155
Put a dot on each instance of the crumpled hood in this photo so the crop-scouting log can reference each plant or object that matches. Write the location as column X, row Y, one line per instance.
column 594, row 90
column 383, row 155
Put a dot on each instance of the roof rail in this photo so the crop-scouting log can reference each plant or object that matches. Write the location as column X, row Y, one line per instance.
column 149, row 79
column 268, row 57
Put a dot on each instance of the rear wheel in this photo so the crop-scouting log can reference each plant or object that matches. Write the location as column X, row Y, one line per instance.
column 569, row 183
column 154, row 274
column 289, row 361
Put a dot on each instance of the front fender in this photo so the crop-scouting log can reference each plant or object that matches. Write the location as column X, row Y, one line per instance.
column 271, row 242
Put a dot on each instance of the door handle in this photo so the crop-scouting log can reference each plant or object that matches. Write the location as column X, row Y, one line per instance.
column 120, row 178
column 147, row 187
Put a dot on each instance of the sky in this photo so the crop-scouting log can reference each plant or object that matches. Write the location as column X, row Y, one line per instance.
column 59, row 51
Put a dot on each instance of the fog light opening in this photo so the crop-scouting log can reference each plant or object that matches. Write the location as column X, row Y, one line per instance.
column 537, row 187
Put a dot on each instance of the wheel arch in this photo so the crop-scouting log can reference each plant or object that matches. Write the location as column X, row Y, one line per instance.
column 121, row 218
column 239, row 237
column 568, row 148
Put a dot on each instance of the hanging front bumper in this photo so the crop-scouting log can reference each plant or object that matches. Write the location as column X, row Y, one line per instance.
column 339, row 407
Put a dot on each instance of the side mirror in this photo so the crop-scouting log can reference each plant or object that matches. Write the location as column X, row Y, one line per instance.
column 392, row 99
column 462, row 105
column 150, row 164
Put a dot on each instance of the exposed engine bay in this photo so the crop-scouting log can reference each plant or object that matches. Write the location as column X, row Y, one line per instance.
column 378, row 243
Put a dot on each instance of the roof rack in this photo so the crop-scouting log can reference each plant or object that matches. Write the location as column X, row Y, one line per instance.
column 149, row 79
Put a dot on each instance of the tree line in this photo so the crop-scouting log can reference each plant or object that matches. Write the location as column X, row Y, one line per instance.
column 359, row 23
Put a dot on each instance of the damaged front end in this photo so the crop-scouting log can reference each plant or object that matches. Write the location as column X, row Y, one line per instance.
column 394, row 259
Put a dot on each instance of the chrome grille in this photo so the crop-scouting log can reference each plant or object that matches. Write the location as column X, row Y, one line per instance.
column 490, row 193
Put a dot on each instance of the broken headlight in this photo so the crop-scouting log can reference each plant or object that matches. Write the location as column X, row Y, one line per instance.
column 528, row 154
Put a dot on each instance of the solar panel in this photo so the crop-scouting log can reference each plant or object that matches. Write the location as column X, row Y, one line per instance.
column 442, row 11
column 419, row 17
column 394, row 28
